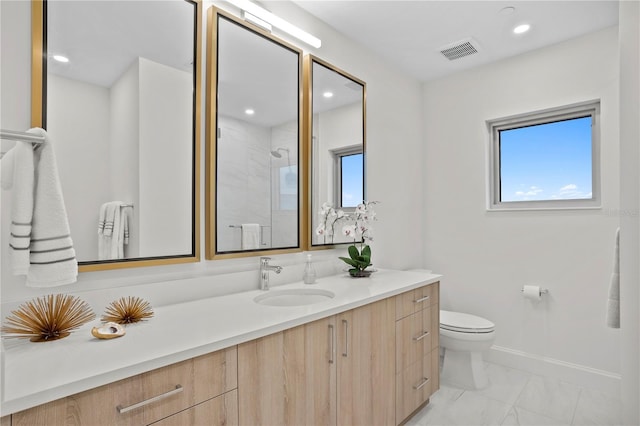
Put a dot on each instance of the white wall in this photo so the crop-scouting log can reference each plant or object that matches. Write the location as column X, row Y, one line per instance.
column 124, row 176
column 487, row 257
column 164, row 208
column 630, row 206
column 78, row 119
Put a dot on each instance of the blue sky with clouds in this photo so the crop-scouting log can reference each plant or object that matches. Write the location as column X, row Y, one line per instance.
column 352, row 177
column 546, row 162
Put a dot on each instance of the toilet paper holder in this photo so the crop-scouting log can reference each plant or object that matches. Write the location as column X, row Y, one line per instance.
column 542, row 290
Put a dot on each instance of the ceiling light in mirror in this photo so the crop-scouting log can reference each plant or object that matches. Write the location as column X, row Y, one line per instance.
column 328, row 94
column 249, row 111
column 61, row 58
column 521, row 29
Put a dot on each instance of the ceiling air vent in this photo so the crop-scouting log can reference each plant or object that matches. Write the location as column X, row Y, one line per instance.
column 459, row 49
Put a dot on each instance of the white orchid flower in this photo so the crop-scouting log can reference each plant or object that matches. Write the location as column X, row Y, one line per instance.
column 321, row 230
column 349, row 231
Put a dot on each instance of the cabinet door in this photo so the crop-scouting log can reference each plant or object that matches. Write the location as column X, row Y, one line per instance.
column 288, row 378
column 219, row 411
column 366, row 365
column 93, row 407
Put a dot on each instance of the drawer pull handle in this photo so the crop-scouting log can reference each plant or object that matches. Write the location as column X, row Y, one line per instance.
column 422, row 299
column 421, row 385
column 422, row 336
column 345, row 353
column 175, row 391
column 331, row 339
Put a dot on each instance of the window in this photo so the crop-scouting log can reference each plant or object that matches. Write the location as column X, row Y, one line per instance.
column 546, row 160
column 348, row 176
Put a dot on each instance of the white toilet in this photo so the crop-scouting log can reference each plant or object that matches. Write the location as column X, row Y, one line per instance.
column 463, row 338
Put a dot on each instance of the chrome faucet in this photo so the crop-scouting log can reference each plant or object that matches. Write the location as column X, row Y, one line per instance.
column 264, row 272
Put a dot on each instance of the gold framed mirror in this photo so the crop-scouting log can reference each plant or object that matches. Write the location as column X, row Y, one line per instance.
column 254, row 90
column 335, row 132
column 117, row 86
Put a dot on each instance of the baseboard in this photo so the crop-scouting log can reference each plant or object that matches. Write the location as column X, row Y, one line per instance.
column 600, row 380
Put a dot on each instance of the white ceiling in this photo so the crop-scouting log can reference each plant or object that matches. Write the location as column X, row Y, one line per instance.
column 103, row 38
column 410, row 34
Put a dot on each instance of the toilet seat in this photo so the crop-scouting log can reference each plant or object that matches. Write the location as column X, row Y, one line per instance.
column 464, row 323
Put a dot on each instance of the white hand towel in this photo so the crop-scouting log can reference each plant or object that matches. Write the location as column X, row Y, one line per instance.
column 102, row 218
column 115, row 233
column 6, row 168
column 250, row 236
column 105, row 229
column 48, row 245
column 21, row 207
column 613, row 302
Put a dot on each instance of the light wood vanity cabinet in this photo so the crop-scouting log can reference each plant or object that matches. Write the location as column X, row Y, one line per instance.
column 373, row 365
column 337, row 370
column 355, row 368
column 187, row 385
column 417, row 348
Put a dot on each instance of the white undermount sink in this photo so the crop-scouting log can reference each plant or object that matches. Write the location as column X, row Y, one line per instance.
column 294, row 297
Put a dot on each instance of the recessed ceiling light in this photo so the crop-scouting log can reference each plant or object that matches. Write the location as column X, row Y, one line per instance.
column 61, row 58
column 520, row 29
column 328, row 94
column 249, row 111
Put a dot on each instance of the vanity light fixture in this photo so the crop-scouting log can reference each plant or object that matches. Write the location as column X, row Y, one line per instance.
column 257, row 21
column 521, row 29
column 258, row 12
column 61, row 58
column 249, row 111
column 328, row 95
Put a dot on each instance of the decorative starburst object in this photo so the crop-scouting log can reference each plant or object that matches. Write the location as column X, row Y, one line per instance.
column 51, row 317
column 127, row 310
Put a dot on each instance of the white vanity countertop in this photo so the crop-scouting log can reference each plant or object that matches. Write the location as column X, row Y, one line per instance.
column 36, row 373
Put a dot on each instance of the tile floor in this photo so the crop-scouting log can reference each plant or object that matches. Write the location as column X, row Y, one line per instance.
column 515, row 397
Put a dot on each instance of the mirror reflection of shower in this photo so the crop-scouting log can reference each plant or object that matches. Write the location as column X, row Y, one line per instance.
column 290, row 177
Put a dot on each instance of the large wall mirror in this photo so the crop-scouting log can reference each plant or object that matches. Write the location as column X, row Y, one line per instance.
column 116, row 84
column 253, row 140
column 336, row 133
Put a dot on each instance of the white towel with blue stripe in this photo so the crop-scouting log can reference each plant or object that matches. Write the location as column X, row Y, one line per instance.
column 40, row 244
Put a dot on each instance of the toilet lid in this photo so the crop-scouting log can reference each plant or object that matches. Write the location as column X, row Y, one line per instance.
column 464, row 323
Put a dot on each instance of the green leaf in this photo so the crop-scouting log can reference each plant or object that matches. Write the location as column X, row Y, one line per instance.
column 366, row 251
column 348, row 261
column 353, row 252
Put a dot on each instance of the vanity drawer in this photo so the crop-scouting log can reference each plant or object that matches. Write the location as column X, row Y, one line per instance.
column 416, row 300
column 413, row 338
column 126, row 402
column 219, row 411
column 188, row 383
column 413, row 387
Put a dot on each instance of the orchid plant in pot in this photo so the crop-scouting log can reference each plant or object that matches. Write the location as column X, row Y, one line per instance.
column 358, row 228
